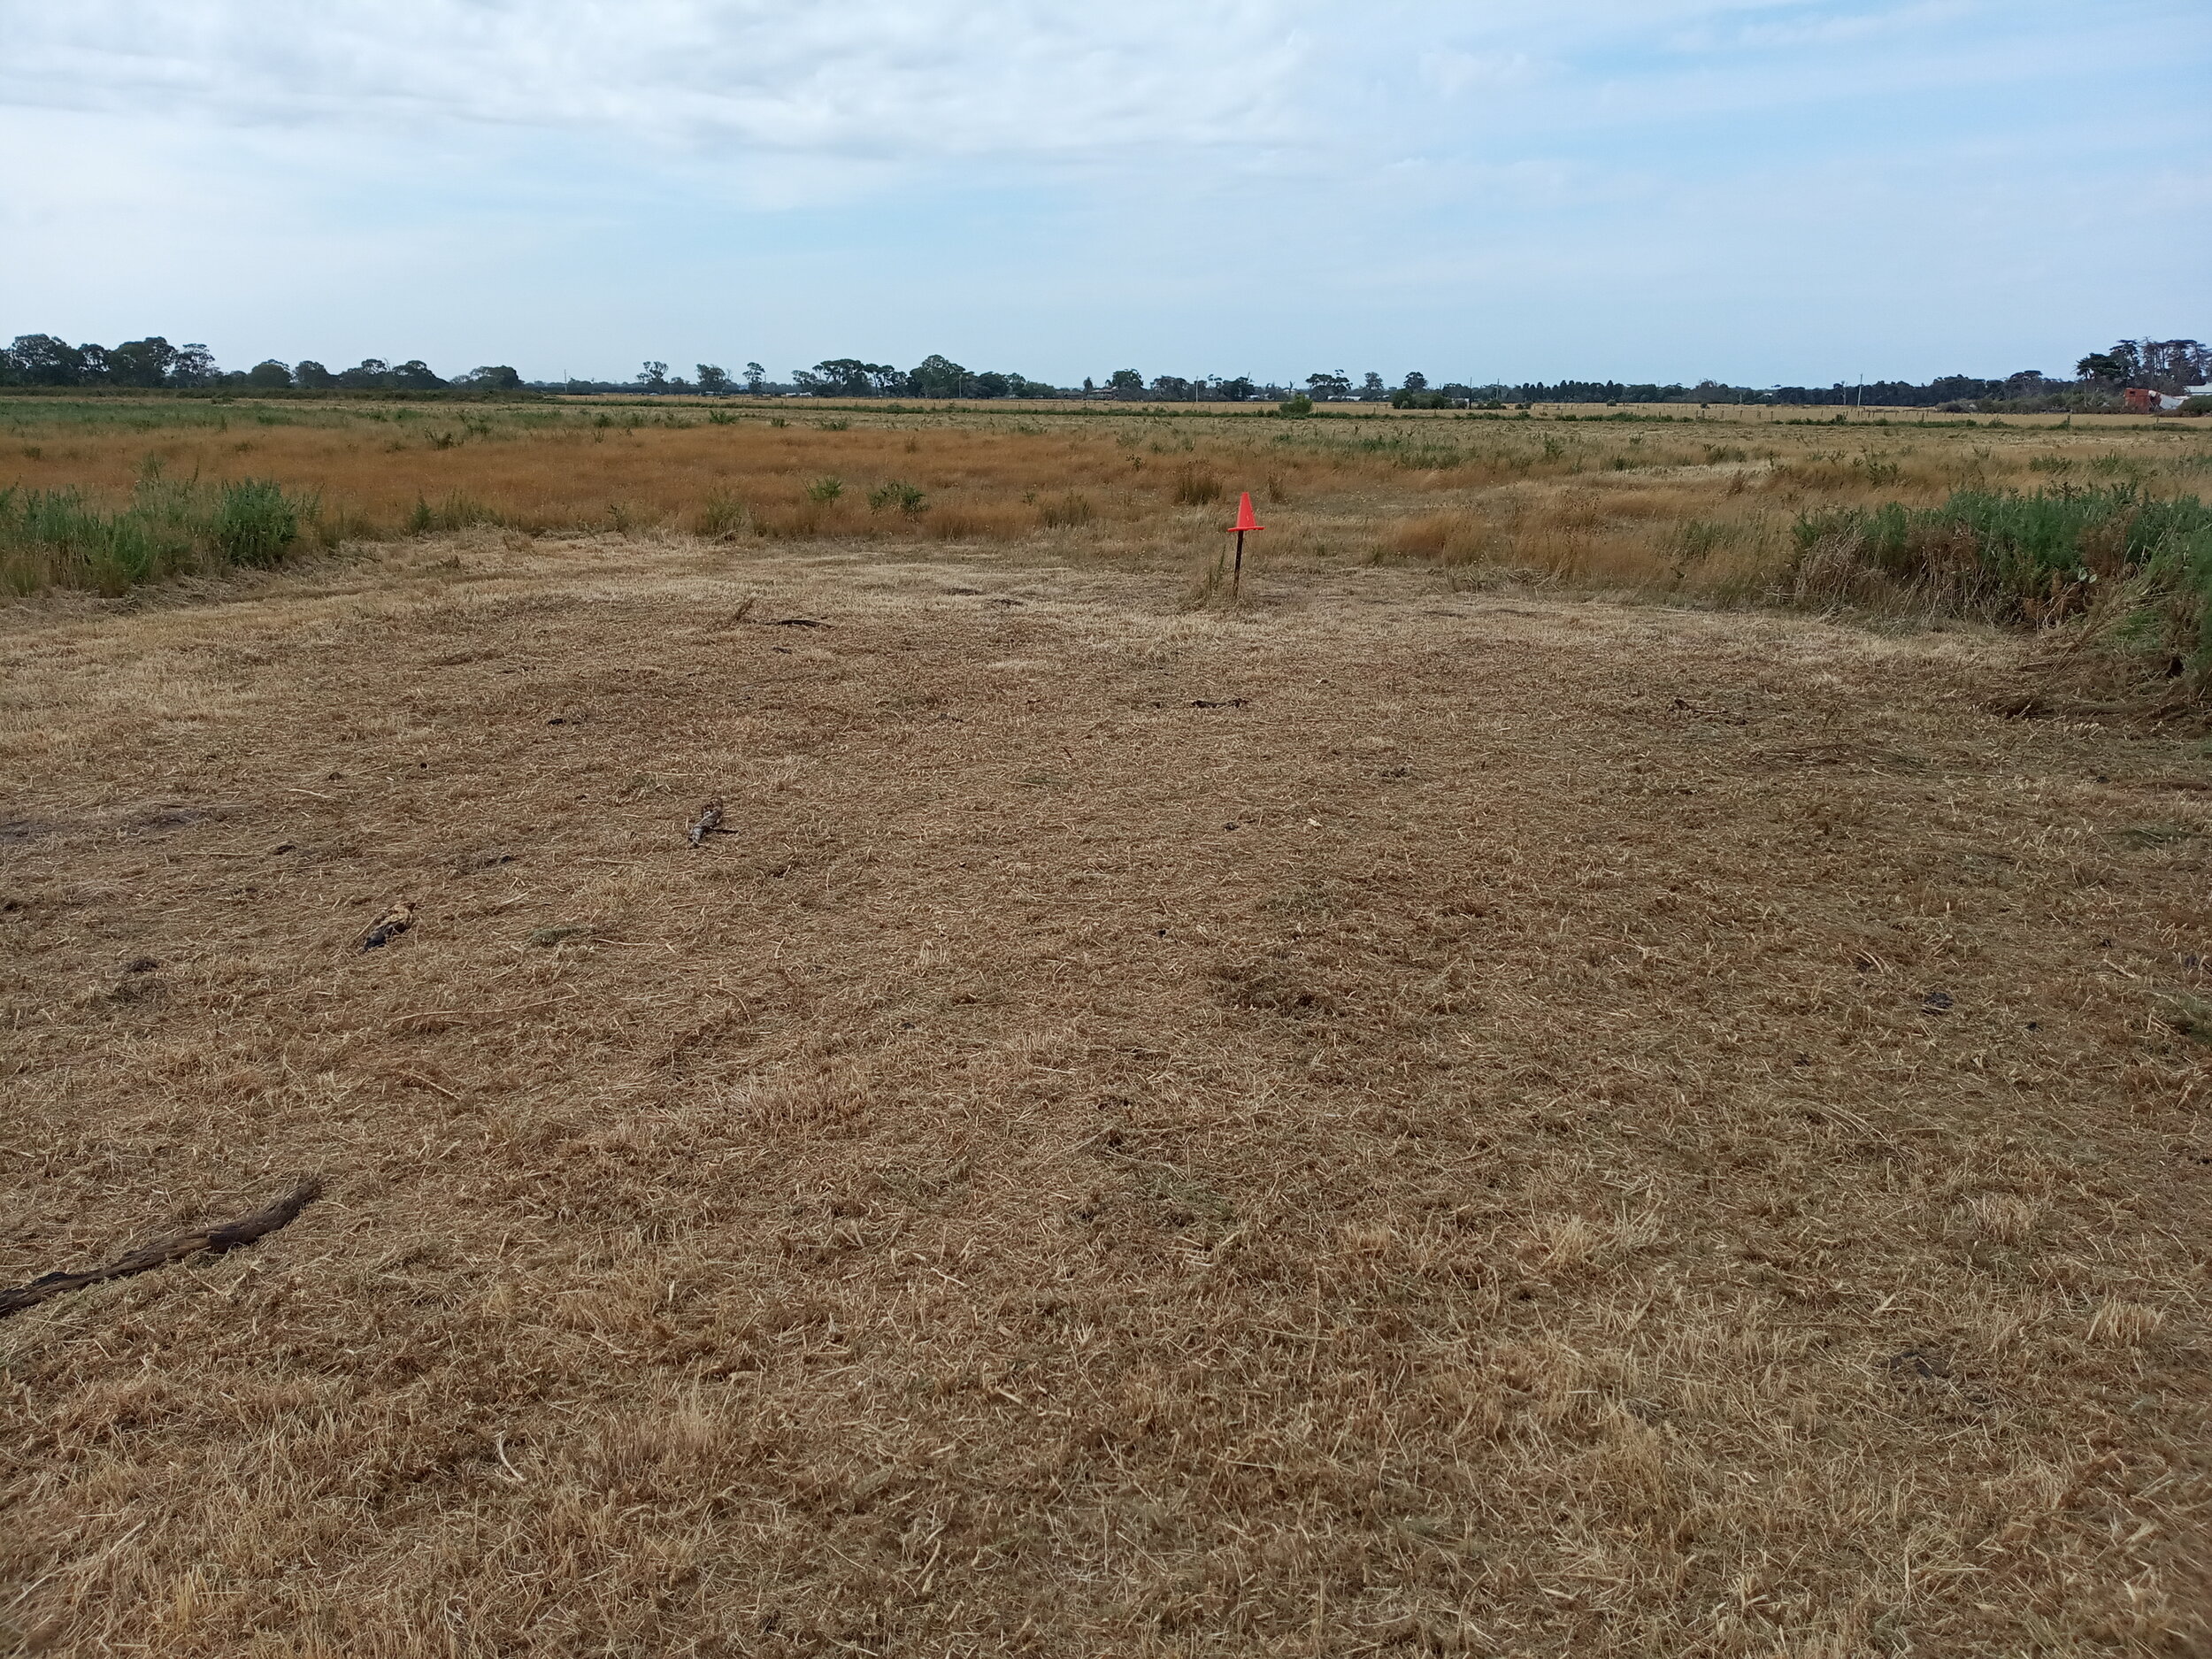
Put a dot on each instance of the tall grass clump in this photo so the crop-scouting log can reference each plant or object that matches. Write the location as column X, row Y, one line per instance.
column 255, row 523
column 1070, row 511
column 1197, row 484
column 56, row 538
column 450, row 512
column 722, row 516
column 898, row 493
column 2139, row 567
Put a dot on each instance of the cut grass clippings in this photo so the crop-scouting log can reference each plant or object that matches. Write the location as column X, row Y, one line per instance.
column 1538, row 1128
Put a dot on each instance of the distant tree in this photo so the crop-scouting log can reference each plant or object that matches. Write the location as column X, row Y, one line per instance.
column 1372, row 387
column 2167, row 365
column 1126, row 383
column 849, row 377
column 415, row 375
column 1088, row 388
column 270, row 376
column 1325, row 386
column 146, row 362
column 990, row 384
column 809, row 383
column 2110, row 368
column 311, row 376
column 193, row 366
column 755, row 377
column 43, row 360
column 371, row 374
column 1172, row 389
column 885, row 380
column 490, row 377
column 1237, row 390
column 714, row 380
column 937, row 376
column 1416, row 381
column 653, row 377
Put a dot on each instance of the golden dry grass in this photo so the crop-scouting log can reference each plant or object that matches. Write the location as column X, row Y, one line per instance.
column 1531, row 1128
column 1664, row 503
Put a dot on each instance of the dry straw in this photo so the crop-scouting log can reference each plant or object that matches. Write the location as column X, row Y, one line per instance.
column 1379, row 1121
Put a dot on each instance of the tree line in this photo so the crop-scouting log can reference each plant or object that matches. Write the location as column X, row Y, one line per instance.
column 153, row 363
column 2098, row 381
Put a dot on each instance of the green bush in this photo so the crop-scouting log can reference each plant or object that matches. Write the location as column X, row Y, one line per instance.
column 56, row 538
column 255, row 523
column 825, row 490
column 2140, row 566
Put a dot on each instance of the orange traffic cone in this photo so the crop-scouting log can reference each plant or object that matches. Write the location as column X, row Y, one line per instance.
column 1245, row 522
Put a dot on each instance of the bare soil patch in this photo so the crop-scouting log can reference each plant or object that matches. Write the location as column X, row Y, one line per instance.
column 1384, row 1120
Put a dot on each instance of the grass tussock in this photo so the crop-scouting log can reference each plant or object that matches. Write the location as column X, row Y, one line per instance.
column 1066, row 512
column 58, row 538
column 1443, row 538
column 1196, row 485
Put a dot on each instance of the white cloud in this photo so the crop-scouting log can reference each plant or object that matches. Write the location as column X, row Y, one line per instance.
column 1759, row 187
column 860, row 77
column 1452, row 72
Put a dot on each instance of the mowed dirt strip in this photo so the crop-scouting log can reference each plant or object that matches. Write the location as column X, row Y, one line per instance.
column 1378, row 1121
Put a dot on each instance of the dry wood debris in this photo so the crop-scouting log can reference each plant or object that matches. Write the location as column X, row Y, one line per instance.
column 243, row 1231
column 389, row 925
column 707, row 823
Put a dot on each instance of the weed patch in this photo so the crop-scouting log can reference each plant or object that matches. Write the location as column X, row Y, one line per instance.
column 58, row 539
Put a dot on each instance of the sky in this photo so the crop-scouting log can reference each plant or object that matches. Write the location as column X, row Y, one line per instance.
column 1756, row 191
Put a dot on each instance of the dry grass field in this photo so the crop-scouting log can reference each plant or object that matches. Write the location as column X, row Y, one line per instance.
column 1644, row 500
column 1415, row 1112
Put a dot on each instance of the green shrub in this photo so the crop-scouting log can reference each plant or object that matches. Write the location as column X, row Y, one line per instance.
column 825, row 490
column 1297, row 405
column 2142, row 565
column 255, row 523
column 56, row 538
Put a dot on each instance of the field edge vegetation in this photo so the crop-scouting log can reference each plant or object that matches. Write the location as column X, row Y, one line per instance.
column 2101, row 537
